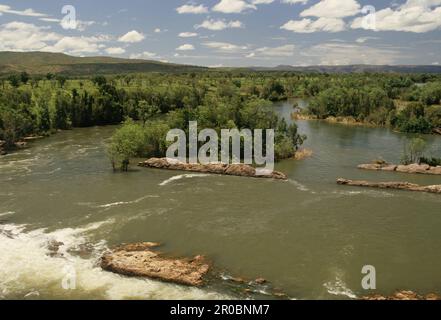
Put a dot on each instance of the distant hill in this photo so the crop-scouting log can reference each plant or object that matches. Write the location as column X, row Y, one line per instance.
column 44, row 62
column 356, row 69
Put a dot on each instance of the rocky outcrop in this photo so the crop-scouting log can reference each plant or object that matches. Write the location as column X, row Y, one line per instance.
column 141, row 260
column 391, row 185
column 378, row 167
column 242, row 170
column 437, row 130
column 411, row 168
column 403, row 295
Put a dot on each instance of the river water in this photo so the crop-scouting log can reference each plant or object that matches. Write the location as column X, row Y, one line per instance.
column 308, row 236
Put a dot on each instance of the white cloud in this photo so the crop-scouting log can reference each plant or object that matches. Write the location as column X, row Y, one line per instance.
column 281, row 51
column 217, row 25
column 115, row 50
column 144, row 55
column 224, row 46
column 417, row 16
column 132, row 37
column 190, row 8
column 329, row 14
column 233, row 6
column 309, row 26
column 185, row 47
column 20, row 36
column 333, row 9
column 344, row 54
column 26, row 13
column 295, row 1
column 262, row 1
column 187, row 34
column 77, row 45
column 365, row 39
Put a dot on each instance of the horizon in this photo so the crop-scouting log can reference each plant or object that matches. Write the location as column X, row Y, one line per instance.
column 236, row 67
column 231, row 33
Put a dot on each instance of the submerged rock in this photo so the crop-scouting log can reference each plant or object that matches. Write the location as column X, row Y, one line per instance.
column 303, row 154
column 242, row 170
column 411, row 168
column 140, row 260
column 53, row 247
column 390, row 185
column 403, row 295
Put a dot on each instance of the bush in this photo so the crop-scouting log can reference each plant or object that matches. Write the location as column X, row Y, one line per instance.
column 434, row 162
column 127, row 142
column 413, row 151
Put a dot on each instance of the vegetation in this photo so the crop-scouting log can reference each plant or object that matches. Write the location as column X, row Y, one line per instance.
column 398, row 101
column 42, row 63
column 413, row 151
column 41, row 104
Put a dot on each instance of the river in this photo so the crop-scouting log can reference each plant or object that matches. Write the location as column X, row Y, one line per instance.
column 307, row 236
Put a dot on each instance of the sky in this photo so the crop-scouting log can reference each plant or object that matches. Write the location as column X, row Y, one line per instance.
column 230, row 32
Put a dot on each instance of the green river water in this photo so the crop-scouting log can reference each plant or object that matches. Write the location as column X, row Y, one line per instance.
column 308, row 236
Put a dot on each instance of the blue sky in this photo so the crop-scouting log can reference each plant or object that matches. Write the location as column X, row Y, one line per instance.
column 230, row 32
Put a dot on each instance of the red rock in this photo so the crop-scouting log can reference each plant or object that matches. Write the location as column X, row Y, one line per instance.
column 139, row 260
column 390, row 185
column 242, row 170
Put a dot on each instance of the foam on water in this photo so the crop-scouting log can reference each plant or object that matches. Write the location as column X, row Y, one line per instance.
column 370, row 193
column 28, row 270
column 338, row 287
column 7, row 213
column 120, row 203
column 298, row 185
column 183, row 176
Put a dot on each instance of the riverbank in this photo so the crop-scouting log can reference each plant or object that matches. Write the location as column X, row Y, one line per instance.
column 19, row 145
column 348, row 121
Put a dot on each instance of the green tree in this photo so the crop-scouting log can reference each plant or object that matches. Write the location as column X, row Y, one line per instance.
column 146, row 111
column 414, row 150
column 127, row 142
column 24, row 77
column 14, row 80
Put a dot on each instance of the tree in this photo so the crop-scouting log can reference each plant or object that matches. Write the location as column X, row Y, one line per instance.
column 413, row 151
column 146, row 111
column 99, row 81
column 126, row 143
column 14, row 80
column 61, row 80
column 24, row 77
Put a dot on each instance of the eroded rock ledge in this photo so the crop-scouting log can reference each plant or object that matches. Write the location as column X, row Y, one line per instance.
column 403, row 295
column 241, row 170
column 411, row 168
column 141, row 260
column 390, row 185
